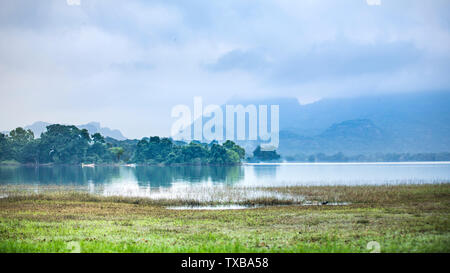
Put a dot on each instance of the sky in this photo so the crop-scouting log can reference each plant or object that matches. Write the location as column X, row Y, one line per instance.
column 126, row 64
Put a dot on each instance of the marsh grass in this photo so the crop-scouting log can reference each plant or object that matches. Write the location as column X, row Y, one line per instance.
column 383, row 194
column 210, row 196
column 86, row 197
column 186, row 196
column 406, row 218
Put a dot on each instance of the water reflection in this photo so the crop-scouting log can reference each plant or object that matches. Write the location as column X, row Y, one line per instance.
column 143, row 176
column 266, row 171
column 60, row 175
column 245, row 175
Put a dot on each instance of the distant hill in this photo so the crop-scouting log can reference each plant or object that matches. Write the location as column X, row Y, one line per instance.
column 351, row 136
column 93, row 127
column 38, row 127
column 400, row 123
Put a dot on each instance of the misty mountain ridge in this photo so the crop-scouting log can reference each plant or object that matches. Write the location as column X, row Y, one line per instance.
column 385, row 123
column 350, row 137
column 389, row 123
column 39, row 127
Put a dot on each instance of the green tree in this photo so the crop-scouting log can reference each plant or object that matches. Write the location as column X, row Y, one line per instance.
column 30, row 152
column 97, row 151
column 262, row 155
column 218, row 154
column 64, row 144
column 117, row 152
column 195, row 153
column 234, row 147
column 98, row 138
column 5, row 148
column 19, row 138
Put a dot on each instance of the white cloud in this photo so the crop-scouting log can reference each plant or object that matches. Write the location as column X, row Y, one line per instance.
column 126, row 63
column 373, row 2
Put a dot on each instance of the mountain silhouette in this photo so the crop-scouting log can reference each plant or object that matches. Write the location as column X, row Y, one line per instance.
column 93, row 127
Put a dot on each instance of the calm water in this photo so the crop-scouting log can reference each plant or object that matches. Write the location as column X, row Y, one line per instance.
column 148, row 180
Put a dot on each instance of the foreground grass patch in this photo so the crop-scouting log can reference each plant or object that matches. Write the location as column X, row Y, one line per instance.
column 413, row 218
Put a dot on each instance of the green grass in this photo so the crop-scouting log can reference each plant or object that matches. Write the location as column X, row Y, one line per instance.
column 409, row 218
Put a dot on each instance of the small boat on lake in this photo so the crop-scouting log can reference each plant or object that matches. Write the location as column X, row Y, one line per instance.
column 132, row 165
column 91, row 165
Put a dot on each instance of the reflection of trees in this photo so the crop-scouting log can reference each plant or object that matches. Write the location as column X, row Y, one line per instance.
column 14, row 175
column 156, row 176
column 227, row 174
column 153, row 176
column 269, row 171
column 101, row 175
column 58, row 175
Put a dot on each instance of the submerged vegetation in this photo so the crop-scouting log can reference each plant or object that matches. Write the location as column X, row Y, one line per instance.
column 404, row 218
column 63, row 144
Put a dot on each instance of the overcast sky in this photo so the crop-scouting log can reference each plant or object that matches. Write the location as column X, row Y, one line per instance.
column 127, row 63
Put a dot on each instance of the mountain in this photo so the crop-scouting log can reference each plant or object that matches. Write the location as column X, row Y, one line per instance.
column 93, row 127
column 353, row 130
column 351, row 136
column 401, row 123
column 38, row 127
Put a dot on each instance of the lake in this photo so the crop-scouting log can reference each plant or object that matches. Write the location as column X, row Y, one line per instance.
column 180, row 181
column 215, row 183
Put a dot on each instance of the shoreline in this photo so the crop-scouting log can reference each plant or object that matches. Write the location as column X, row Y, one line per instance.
column 115, row 165
column 228, row 165
column 353, row 163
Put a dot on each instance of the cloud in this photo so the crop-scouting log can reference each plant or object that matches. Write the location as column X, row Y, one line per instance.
column 127, row 63
column 250, row 60
column 342, row 59
column 337, row 59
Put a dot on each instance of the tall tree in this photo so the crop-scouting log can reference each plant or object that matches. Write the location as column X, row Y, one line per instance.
column 117, row 152
column 19, row 138
column 64, row 144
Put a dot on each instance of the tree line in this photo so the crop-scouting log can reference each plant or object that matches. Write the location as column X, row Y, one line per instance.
column 373, row 157
column 67, row 144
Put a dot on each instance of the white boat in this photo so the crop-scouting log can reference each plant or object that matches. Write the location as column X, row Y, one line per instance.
column 92, row 165
column 132, row 165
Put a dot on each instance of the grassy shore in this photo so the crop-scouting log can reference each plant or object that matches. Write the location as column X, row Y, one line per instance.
column 406, row 218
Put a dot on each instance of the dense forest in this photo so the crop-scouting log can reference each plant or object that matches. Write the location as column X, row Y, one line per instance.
column 63, row 144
